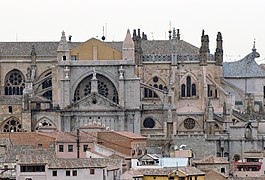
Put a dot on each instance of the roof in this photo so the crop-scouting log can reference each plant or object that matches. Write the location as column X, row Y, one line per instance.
column 71, row 136
column 165, row 47
column 130, row 135
column 191, row 171
column 212, row 160
column 244, row 68
column 27, row 138
column 24, row 48
column 15, row 99
column 40, row 99
column 50, row 48
column 84, row 163
column 134, row 173
column 157, row 171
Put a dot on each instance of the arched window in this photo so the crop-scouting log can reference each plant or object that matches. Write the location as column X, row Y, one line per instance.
column 188, row 86
column 183, row 90
column 105, row 88
column 47, row 84
column 193, row 89
column 156, row 83
column 188, row 89
column 11, row 125
column 14, row 83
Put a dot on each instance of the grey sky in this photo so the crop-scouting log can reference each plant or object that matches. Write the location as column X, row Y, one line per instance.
column 240, row 21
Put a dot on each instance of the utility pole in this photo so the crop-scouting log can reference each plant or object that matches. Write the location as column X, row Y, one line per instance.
column 78, row 142
column 77, row 136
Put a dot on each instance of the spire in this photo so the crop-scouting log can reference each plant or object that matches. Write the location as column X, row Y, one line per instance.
column 219, row 50
column 204, row 49
column 254, row 48
column 178, row 34
column 128, row 47
column 174, row 33
column 63, row 44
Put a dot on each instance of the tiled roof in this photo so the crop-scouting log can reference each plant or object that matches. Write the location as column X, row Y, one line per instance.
column 157, row 171
column 11, row 99
column 246, row 67
column 50, row 48
column 27, row 154
column 191, row 171
column 24, row 48
column 40, row 99
column 130, row 135
column 212, row 160
column 27, row 138
column 71, row 136
column 165, row 47
column 35, row 157
column 84, row 163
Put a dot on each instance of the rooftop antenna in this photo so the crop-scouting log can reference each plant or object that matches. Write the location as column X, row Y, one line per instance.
column 103, row 37
column 169, row 30
column 106, row 30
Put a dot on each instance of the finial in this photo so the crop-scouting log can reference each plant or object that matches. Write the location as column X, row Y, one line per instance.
column 174, row 33
column 254, row 48
column 33, row 51
column 94, row 73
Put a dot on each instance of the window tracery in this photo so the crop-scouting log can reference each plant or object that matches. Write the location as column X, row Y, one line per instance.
column 12, row 125
column 189, row 123
column 156, row 83
column 14, row 83
column 188, row 89
column 149, row 123
column 105, row 88
column 47, row 84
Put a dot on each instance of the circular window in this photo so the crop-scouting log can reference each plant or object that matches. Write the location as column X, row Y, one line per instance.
column 155, row 79
column 149, row 123
column 189, row 123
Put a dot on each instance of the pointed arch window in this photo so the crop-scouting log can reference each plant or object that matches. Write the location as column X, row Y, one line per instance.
column 193, row 89
column 188, row 89
column 14, row 83
column 156, row 83
column 183, row 90
column 188, row 86
column 12, row 125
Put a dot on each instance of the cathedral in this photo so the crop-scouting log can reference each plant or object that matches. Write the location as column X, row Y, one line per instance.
column 170, row 91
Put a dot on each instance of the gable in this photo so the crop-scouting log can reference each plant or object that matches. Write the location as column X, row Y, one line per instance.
column 94, row 49
column 95, row 102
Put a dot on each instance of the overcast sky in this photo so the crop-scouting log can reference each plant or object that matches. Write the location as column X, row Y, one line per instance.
column 239, row 21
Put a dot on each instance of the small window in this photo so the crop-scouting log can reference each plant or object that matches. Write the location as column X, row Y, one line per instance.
column 54, row 173
column 74, row 172
column 222, row 170
column 85, row 147
column 61, row 148
column 92, row 171
column 64, row 58
column 70, row 148
column 67, row 173
column 39, row 146
column 10, row 109
column 73, row 58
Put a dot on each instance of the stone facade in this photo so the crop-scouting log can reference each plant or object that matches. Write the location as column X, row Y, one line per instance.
column 168, row 90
